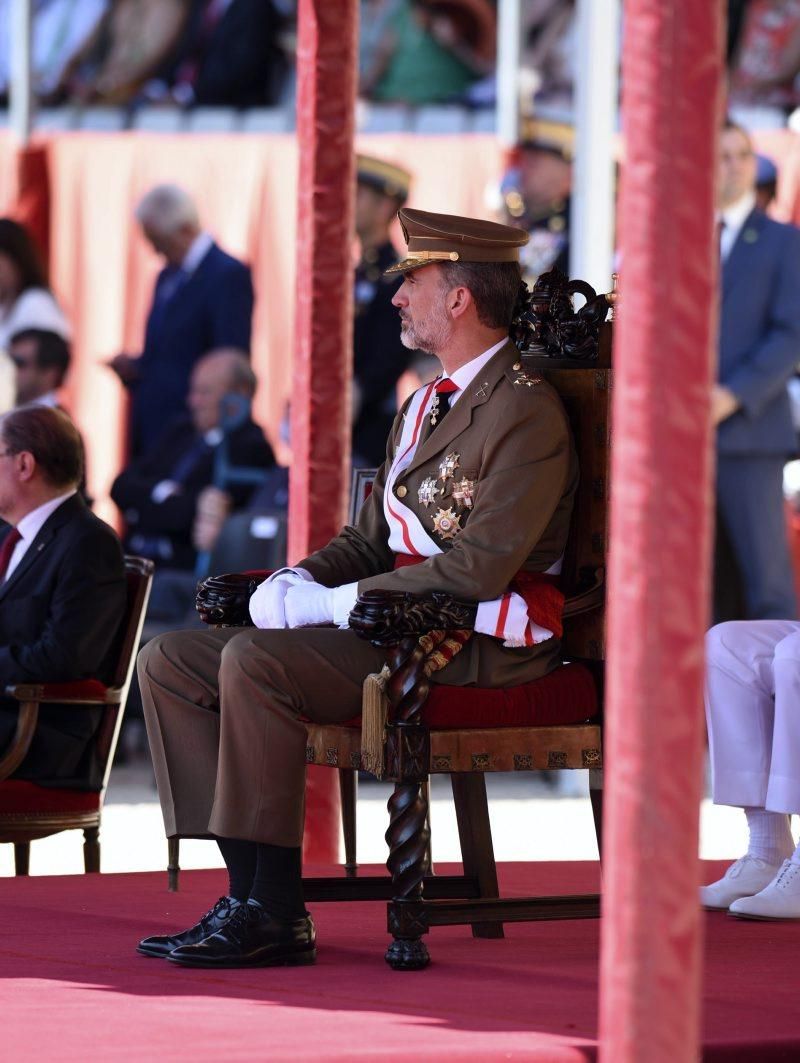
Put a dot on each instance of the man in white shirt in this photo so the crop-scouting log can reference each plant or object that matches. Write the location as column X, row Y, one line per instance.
column 62, row 590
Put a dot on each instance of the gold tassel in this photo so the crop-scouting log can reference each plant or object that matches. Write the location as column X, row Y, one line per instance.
column 374, row 714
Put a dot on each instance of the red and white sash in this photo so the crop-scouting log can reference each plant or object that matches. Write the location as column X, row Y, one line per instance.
column 506, row 617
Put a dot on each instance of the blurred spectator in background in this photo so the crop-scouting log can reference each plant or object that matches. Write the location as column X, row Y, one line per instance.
column 203, row 299
column 41, row 360
column 229, row 55
column 759, row 348
column 424, row 51
column 379, row 357
column 131, row 43
column 61, row 29
column 765, row 60
column 549, row 47
column 26, row 301
column 536, row 196
column 766, row 182
column 157, row 493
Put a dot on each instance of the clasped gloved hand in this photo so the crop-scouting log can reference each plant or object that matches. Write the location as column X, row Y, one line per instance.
column 309, row 603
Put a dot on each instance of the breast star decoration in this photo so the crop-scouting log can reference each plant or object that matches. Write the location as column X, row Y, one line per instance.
column 446, row 523
column 428, row 490
column 448, row 466
column 463, row 492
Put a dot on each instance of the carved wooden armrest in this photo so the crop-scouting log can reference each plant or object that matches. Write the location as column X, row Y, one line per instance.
column 386, row 618
column 589, row 595
column 224, row 600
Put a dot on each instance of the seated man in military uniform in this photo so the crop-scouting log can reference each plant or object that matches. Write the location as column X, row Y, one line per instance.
column 476, row 492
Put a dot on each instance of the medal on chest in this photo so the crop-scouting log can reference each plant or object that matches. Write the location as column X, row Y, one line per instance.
column 463, row 492
column 428, row 490
column 446, row 523
column 448, row 466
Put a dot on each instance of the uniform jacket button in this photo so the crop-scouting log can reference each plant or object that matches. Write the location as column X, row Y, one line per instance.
column 401, row 491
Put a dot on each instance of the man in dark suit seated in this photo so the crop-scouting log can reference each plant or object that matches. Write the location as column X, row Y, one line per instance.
column 158, row 492
column 203, row 300
column 62, row 590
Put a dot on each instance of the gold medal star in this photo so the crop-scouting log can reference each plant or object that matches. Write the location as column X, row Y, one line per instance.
column 446, row 523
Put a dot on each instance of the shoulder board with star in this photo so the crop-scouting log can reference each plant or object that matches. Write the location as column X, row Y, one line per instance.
column 522, row 377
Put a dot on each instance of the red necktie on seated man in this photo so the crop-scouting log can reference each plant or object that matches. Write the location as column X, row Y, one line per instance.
column 6, row 550
column 441, row 403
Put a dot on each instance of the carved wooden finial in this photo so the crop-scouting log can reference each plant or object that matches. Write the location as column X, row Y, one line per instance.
column 612, row 297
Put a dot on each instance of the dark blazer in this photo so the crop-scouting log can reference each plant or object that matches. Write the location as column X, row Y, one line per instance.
column 759, row 343
column 60, row 612
column 180, row 451
column 212, row 308
column 379, row 357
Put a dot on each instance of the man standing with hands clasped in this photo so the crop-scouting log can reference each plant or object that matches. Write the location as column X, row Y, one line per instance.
column 475, row 494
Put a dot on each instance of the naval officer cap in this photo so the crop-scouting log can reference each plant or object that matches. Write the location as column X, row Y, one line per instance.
column 448, row 238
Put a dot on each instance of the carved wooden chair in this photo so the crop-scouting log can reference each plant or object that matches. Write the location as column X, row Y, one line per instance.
column 29, row 811
column 552, row 723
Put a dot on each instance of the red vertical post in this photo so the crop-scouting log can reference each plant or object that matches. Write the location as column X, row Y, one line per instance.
column 320, row 403
column 658, row 588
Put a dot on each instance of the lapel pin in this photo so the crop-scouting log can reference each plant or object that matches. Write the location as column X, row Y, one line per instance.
column 483, row 390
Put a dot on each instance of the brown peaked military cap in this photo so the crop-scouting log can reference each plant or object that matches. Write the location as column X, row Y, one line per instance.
column 448, row 238
column 385, row 177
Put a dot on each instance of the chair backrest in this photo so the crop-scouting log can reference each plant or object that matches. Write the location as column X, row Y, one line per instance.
column 584, row 385
column 139, row 577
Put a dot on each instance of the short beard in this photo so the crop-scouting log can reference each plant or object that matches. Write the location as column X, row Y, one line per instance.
column 431, row 338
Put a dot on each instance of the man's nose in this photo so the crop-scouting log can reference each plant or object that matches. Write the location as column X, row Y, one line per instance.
column 399, row 297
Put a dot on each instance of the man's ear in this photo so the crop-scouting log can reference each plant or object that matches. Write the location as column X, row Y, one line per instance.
column 26, row 465
column 459, row 300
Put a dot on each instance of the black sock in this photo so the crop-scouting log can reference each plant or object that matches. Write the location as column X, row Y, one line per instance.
column 278, row 883
column 240, row 860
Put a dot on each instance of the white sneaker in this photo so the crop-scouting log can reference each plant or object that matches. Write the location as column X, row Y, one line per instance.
column 747, row 876
column 780, row 899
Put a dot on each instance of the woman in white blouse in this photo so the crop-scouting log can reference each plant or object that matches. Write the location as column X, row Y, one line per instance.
column 25, row 299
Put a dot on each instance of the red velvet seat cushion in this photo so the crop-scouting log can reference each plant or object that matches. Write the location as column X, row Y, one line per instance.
column 567, row 695
column 17, row 795
column 78, row 688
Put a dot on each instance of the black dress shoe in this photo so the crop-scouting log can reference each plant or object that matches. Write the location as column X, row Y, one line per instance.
column 211, row 922
column 253, row 938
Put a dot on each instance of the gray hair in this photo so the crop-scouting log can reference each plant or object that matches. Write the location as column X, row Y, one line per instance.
column 236, row 364
column 166, row 208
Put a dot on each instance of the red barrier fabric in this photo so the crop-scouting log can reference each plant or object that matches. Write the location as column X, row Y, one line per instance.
column 660, row 532
column 323, row 365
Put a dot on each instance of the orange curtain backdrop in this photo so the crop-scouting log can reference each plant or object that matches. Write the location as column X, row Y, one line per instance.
column 103, row 271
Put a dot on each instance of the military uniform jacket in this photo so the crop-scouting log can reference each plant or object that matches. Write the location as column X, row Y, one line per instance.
column 509, row 435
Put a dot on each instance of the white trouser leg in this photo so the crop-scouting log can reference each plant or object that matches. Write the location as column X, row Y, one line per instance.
column 740, row 710
column 783, row 790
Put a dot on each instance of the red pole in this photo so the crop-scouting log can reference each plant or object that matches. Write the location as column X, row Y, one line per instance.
column 660, row 532
column 320, row 407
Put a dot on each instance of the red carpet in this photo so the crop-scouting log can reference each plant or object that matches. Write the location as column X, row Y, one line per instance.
column 72, row 988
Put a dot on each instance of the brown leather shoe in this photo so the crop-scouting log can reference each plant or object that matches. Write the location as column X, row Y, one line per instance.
column 253, row 938
column 211, row 922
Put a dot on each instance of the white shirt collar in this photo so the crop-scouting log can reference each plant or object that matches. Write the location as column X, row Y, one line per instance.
column 464, row 376
column 33, row 522
column 737, row 213
column 50, row 399
column 200, row 247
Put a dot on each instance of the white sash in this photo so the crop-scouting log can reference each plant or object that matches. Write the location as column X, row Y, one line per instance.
column 505, row 617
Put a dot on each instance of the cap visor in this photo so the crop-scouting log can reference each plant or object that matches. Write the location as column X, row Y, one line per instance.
column 406, row 266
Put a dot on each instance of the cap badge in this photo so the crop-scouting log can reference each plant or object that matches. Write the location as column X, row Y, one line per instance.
column 463, row 492
column 448, row 466
column 427, row 491
column 446, row 523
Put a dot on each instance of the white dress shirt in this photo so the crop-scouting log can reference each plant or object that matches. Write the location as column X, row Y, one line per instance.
column 30, row 526
column 734, row 218
column 198, row 250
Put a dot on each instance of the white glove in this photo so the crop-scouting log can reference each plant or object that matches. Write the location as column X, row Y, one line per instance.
column 309, row 603
column 267, row 601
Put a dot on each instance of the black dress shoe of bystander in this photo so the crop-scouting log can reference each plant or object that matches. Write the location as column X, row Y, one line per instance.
column 253, row 938
column 211, row 922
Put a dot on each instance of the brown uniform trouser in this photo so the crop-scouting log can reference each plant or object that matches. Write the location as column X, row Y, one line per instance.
column 223, row 711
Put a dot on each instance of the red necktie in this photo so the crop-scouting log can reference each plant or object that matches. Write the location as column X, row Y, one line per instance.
column 6, row 550
column 441, row 405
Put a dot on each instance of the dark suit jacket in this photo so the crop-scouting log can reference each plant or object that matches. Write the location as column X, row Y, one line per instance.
column 379, row 358
column 759, row 342
column 173, row 518
column 212, row 308
column 60, row 611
